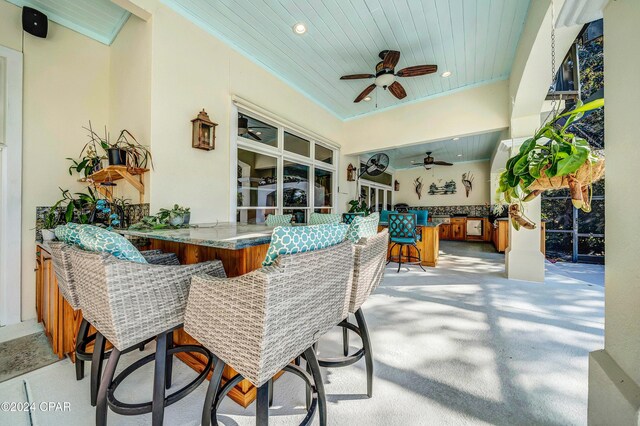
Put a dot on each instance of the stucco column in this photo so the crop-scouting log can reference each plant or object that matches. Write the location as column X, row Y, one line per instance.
column 614, row 372
column 524, row 260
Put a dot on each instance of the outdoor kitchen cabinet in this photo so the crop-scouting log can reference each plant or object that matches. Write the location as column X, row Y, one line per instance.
column 445, row 231
column 458, row 228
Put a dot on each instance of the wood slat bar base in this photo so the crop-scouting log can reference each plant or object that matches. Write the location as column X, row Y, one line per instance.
column 429, row 246
column 236, row 263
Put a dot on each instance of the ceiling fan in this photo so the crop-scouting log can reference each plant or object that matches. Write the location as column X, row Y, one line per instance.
column 246, row 131
column 385, row 75
column 429, row 161
column 376, row 165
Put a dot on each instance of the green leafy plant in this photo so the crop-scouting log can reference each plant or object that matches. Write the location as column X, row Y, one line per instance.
column 359, row 206
column 79, row 202
column 562, row 155
column 164, row 219
column 138, row 155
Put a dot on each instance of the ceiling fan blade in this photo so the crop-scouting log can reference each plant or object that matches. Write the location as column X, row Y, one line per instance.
column 356, row 76
column 397, row 90
column 364, row 93
column 391, row 59
column 253, row 135
column 417, row 70
column 442, row 163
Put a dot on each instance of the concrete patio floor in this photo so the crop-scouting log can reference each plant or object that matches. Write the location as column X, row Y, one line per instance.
column 458, row 344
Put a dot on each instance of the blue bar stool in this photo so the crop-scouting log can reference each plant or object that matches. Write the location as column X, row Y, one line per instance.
column 402, row 232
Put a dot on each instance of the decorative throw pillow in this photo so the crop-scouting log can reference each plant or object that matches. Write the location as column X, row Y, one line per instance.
column 278, row 220
column 93, row 238
column 299, row 239
column 68, row 233
column 324, row 218
column 363, row 226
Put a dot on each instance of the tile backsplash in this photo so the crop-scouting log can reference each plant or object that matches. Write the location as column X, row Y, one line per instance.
column 476, row 210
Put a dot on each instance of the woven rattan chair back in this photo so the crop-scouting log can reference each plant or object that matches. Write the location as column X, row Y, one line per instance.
column 64, row 273
column 259, row 322
column 370, row 258
column 129, row 302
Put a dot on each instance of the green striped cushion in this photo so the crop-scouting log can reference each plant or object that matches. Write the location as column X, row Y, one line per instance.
column 363, row 227
column 324, row 218
column 278, row 219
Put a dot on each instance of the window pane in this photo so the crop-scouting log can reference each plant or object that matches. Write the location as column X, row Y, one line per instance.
column 323, row 211
column 299, row 215
column 323, row 188
column 296, row 184
column 380, row 205
column 372, row 199
column 257, row 131
column 592, row 222
column 324, row 154
column 295, row 144
column 257, row 179
column 388, row 206
column 253, row 215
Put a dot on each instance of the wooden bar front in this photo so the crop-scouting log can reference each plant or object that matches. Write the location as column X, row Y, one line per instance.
column 429, row 245
column 236, row 262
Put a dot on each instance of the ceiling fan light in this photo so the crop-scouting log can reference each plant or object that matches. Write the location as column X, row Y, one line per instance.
column 367, row 98
column 384, row 80
column 299, row 28
column 446, row 74
column 459, row 155
column 455, row 139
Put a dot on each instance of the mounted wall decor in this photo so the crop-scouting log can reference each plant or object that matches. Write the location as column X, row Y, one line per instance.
column 467, row 181
column 204, row 132
column 418, row 184
column 351, row 173
column 447, row 189
column 396, row 185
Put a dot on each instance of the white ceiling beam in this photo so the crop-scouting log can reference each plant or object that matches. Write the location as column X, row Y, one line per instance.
column 134, row 7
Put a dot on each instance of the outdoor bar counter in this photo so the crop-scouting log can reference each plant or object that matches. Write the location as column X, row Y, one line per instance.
column 240, row 247
column 428, row 243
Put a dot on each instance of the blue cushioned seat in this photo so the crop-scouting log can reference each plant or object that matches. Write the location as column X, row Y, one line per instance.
column 421, row 216
column 384, row 215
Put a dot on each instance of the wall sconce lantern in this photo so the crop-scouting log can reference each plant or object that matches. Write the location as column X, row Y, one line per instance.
column 351, row 173
column 204, row 132
column 396, row 186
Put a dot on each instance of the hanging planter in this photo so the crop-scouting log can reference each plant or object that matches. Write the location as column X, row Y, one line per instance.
column 563, row 161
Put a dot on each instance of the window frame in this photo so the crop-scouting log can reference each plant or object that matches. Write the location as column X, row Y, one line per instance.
column 282, row 155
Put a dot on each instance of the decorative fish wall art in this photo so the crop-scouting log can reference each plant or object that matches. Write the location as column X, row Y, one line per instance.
column 467, row 181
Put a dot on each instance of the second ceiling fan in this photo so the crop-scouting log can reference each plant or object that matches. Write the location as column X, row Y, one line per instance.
column 385, row 75
column 428, row 162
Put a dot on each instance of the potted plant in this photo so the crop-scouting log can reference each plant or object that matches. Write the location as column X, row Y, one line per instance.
column 51, row 220
column 359, row 206
column 174, row 216
column 553, row 158
column 125, row 151
column 90, row 160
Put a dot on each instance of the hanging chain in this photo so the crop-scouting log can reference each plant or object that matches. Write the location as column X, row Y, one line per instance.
column 553, row 57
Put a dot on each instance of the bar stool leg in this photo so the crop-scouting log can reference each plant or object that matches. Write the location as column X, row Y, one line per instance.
column 366, row 344
column 107, row 377
column 345, row 340
column 212, row 391
column 262, row 405
column 159, row 381
column 312, row 363
column 96, row 366
column 419, row 257
column 270, row 386
column 169, row 366
column 81, row 337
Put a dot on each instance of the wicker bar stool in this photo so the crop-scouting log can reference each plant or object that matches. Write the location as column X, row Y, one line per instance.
column 259, row 322
column 368, row 271
column 128, row 303
column 67, row 286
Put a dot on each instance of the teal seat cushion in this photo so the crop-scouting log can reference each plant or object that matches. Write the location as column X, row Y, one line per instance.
column 278, row 219
column 363, row 227
column 299, row 239
column 97, row 239
column 323, row 218
column 421, row 216
column 384, row 215
column 68, row 233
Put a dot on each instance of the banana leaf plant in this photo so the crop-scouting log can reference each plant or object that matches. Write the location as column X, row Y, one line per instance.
column 553, row 152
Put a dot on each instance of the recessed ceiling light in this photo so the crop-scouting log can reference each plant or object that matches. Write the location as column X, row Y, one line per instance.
column 258, row 133
column 367, row 98
column 446, row 74
column 459, row 155
column 300, row 28
column 455, row 139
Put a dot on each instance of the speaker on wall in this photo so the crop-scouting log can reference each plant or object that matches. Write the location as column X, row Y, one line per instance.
column 34, row 22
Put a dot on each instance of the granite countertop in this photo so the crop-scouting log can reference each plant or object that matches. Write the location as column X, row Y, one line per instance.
column 225, row 235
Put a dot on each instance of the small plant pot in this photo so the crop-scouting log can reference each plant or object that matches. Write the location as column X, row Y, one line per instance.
column 176, row 220
column 48, row 235
column 97, row 167
column 117, row 156
column 187, row 218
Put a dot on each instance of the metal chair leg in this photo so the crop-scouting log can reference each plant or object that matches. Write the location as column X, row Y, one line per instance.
column 419, row 256
column 400, row 258
column 81, row 337
column 209, row 409
column 107, row 377
column 262, row 405
column 159, row 381
column 270, row 383
column 368, row 354
column 169, row 366
column 345, row 340
column 96, row 367
column 391, row 252
column 312, row 362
